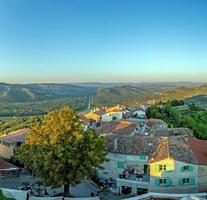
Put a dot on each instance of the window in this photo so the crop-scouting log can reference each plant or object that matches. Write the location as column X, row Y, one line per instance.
column 186, row 180
column 185, row 168
column 162, row 181
column 162, row 167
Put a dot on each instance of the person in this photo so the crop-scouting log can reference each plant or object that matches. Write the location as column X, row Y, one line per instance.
column 27, row 197
column 98, row 193
column 92, row 194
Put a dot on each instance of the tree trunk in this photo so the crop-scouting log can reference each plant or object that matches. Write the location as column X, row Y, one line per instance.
column 67, row 190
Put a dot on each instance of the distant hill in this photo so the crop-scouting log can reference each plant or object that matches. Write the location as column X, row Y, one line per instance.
column 141, row 84
column 182, row 93
column 38, row 99
column 40, row 92
column 131, row 94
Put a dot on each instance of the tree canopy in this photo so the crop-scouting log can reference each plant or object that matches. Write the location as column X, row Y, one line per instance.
column 60, row 151
column 192, row 116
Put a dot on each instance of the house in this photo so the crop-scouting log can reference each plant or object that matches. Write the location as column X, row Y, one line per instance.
column 112, row 113
column 173, row 167
column 127, row 151
column 199, row 149
column 7, row 169
column 139, row 113
column 164, row 161
column 156, row 124
column 127, row 114
column 9, row 142
column 93, row 118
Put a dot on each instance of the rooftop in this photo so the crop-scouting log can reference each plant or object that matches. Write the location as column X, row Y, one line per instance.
column 84, row 119
column 135, row 145
column 172, row 132
column 199, row 148
column 6, row 166
column 117, row 127
column 176, row 148
column 153, row 122
column 14, row 137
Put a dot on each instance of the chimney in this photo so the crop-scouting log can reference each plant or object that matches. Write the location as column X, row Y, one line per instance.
column 115, row 144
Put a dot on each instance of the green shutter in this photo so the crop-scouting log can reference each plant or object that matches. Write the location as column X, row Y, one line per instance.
column 190, row 168
column 157, row 169
column 142, row 157
column 120, row 165
column 180, row 182
column 192, row 180
column 157, row 182
column 181, row 169
column 168, row 182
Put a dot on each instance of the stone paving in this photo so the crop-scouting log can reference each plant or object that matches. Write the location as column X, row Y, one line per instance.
column 82, row 190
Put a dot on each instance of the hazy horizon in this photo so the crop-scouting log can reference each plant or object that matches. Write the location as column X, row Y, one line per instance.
column 92, row 82
column 103, row 41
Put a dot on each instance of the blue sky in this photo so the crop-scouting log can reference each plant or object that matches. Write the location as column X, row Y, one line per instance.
column 103, row 40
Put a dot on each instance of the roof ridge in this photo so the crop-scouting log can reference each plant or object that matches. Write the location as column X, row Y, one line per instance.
column 163, row 144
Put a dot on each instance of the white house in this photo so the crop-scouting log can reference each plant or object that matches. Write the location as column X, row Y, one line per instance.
column 166, row 161
column 139, row 114
column 173, row 167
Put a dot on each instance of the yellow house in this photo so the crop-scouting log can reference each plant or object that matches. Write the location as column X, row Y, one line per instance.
column 161, row 161
column 173, row 167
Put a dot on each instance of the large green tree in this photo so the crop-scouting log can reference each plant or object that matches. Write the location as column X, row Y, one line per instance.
column 60, row 151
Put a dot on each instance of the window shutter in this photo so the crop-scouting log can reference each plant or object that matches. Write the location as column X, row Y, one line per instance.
column 142, row 157
column 157, row 182
column 120, row 165
column 190, row 168
column 168, row 182
column 180, row 181
column 192, row 180
column 181, row 169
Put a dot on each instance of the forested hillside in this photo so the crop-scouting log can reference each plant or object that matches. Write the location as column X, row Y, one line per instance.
column 39, row 99
column 13, row 93
column 176, row 115
column 132, row 94
column 41, row 107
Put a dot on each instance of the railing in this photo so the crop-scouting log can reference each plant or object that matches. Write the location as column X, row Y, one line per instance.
column 127, row 182
column 166, row 195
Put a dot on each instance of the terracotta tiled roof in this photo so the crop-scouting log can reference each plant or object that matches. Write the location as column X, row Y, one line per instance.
column 135, row 145
column 84, row 119
column 151, row 122
column 199, row 148
column 172, row 132
column 180, row 150
column 6, row 166
column 117, row 108
column 100, row 112
column 14, row 137
column 117, row 127
column 174, row 147
column 161, row 152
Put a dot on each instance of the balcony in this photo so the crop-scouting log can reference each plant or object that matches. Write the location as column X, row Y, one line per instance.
column 133, row 179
